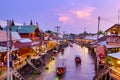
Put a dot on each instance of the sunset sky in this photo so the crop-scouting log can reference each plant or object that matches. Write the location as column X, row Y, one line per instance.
column 73, row 16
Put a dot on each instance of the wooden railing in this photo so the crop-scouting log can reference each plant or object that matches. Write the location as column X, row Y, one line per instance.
column 113, row 40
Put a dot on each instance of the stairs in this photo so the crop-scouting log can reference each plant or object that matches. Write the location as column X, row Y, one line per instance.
column 43, row 62
column 32, row 65
column 101, row 73
column 50, row 55
column 17, row 75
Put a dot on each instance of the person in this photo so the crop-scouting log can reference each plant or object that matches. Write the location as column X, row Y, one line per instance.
column 19, row 58
column 0, row 65
column 13, row 57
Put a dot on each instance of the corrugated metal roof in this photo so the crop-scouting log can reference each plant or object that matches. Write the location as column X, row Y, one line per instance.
column 112, row 46
column 3, row 36
column 93, row 37
column 102, row 43
column 16, row 35
column 4, row 49
column 115, row 55
column 25, row 40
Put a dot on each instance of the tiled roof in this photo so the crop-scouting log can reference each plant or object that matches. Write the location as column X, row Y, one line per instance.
column 23, row 29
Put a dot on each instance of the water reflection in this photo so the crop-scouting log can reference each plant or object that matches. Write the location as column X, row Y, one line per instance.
column 84, row 71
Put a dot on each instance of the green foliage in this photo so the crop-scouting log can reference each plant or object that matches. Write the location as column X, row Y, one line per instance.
column 34, row 51
column 49, row 31
column 108, row 59
column 100, row 32
column 57, row 78
column 35, row 72
column 0, row 72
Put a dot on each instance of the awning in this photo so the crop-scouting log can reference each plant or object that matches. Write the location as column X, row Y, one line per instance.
column 19, row 44
column 102, row 43
column 115, row 55
column 112, row 46
column 3, row 36
column 23, row 44
column 4, row 49
column 25, row 40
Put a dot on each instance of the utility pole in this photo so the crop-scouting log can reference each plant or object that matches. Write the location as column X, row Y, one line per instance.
column 98, row 27
column 42, row 37
column 97, row 65
column 84, row 29
column 9, row 47
column 57, row 27
column 41, row 33
column 63, row 35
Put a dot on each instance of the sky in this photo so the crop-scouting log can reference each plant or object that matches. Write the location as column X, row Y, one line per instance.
column 73, row 16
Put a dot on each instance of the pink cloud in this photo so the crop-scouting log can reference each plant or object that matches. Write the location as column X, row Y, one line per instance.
column 66, row 19
column 72, row 16
column 63, row 18
column 84, row 13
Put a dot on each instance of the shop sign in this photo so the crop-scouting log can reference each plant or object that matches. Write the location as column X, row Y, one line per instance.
column 35, row 43
column 100, row 51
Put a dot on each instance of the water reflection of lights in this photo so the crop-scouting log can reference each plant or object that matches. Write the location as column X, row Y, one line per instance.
column 79, row 48
column 51, row 66
column 82, row 49
column 57, row 78
column 85, row 50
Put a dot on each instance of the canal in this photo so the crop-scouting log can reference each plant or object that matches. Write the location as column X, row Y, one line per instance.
column 85, row 71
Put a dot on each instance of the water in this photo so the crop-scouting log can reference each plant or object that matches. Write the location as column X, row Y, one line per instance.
column 85, row 71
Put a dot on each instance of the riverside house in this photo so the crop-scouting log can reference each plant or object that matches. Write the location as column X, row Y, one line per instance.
column 113, row 46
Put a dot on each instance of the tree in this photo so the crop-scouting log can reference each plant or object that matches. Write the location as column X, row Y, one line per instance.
column 72, row 35
column 1, row 27
column 13, row 24
column 31, row 23
column 49, row 31
column 100, row 32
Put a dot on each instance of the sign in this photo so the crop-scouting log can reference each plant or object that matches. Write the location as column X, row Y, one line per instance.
column 100, row 51
column 35, row 43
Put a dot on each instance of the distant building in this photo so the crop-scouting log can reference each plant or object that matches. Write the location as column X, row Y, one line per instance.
column 90, row 39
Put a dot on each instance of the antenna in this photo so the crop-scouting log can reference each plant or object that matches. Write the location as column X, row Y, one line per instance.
column 118, row 15
column 57, row 27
